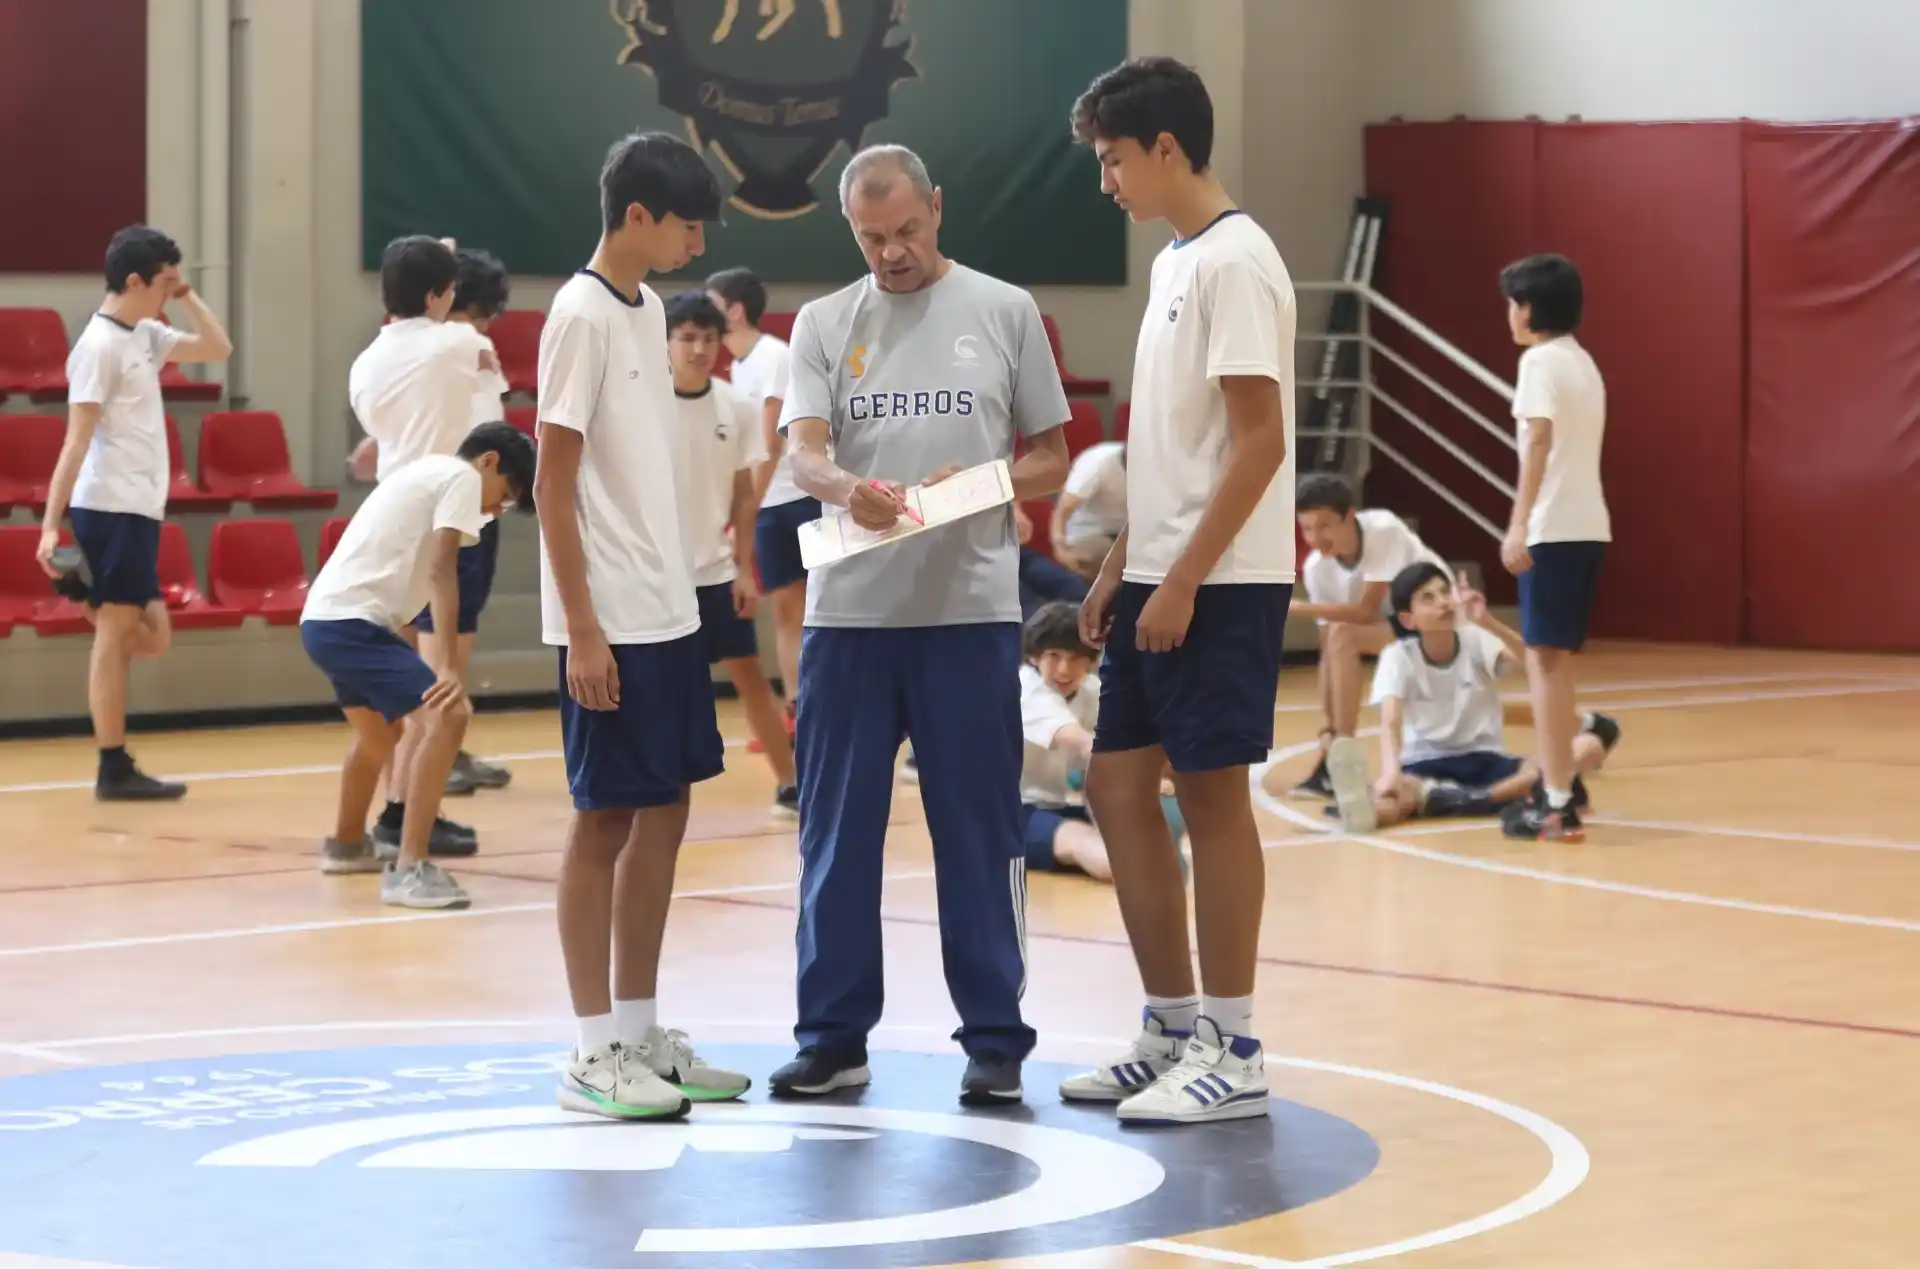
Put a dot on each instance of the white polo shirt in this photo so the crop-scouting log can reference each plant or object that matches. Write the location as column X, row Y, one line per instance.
column 1559, row 381
column 1387, row 545
column 720, row 436
column 489, row 391
column 117, row 367
column 604, row 373
column 1043, row 712
column 1221, row 303
column 761, row 374
column 382, row 570
column 413, row 389
column 1446, row 710
column 1099, row 479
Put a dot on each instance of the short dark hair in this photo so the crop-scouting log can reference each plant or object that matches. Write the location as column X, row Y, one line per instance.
column 1550, row 287
column 1412, row 578
column 1144, row 97
column 743, row 287
column 1054, row 627
column 480, row 283
column 660, row 172
column 138, row 251
column 1324, row 490
column 695, row 308
column 413, row 268
column 517, row 460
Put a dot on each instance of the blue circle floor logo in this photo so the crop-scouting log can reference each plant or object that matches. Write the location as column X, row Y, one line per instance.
column 427, row 1155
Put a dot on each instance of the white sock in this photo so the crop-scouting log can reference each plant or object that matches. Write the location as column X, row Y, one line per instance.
column 1557, row 799
column 635, row 1018
column 1176, row 1013
column 1586, row 721
column 597, row 1033
column 1232, row 1014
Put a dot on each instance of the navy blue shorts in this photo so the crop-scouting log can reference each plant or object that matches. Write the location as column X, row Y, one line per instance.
column 369, row 666
column 1481, row 769
column 776, row 542
column 477, row 565
column 1038, row 824
column 123, row 556
column 662, row 738
column 726, row 635
column 1556, row 594
column 1208, row 702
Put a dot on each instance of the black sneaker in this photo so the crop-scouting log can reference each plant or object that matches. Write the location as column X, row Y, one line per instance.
column 134, row 785
column 1582, row 800
column 1317, row 785
column 815, row 1072
column 1605, row 729
column 991, row 1080
column 448, row 839
column 1533, row 821
column 786, row 803
column 1445, row 800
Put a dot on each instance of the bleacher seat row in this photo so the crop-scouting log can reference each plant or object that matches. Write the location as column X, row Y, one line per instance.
column 33, row 360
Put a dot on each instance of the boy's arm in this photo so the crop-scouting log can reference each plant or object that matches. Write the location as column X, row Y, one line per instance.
column 1392, row 718
column 1533, row 468
column 82, row 418
column 746, row 510
column 1074, row 740
column 1363, row 611
column 775, row 443
column 444, row 601
column 205, row 339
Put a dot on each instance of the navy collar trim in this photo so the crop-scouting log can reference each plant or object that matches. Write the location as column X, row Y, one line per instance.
column 639, row 299
column 116, row 321
column 694, row 396
column 1231, row 211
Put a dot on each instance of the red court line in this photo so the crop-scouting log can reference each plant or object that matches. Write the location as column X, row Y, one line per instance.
column 1409, row 976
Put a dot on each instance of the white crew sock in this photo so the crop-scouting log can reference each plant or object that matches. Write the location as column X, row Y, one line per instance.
column 635, row 1018
column 1232, row 1014
column 597, row 1032
column 1176, row 1013
column 1557, row 799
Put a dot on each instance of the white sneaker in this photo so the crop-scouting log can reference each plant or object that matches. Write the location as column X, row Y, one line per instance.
column 619, row 1083
column 1347, row 769
column 670, row 1055
column 1218, row 1077
column 1151, row 1056
column 422, row 885
column 337, row 858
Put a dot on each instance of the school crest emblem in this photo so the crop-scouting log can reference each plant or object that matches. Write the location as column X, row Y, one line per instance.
column 772, row 86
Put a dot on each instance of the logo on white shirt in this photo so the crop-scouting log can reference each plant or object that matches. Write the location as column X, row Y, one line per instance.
column 1173, row 310
column 966, row 348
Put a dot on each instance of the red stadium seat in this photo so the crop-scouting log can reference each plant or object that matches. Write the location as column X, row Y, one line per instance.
column 1122, row 415
column 29, row 450
column 526, row 418
column 26, row 593
column 256, row 567
column 1040, row 511
column 330, row 534
column 243, row 456
column 723, row 364
column 1084, row 429
column 779, row 325
column 33, row 353
column 1074, row 384
column 516, row 338
column 187, row 608
column 182, row 493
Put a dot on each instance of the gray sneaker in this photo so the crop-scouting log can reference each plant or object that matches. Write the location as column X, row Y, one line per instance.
column 421, row 885
column 337, row 856
column 481, row 775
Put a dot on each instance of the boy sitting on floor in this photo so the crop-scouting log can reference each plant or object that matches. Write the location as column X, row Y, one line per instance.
column 1440, row 714
column 1059, row 703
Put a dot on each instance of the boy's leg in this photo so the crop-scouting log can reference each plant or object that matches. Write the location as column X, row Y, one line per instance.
column 129, row 621
column 441, row 731
column 350, row 849
column 851, row 722
column 477, row 566
column 1556, row 598
column 969, row 749
column 1343, row 645
column 1077, row 844
column 763, row 717
column 445, row 838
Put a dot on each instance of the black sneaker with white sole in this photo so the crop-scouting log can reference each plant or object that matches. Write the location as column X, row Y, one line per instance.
column 991, row 1080
column 135, row 785
column 1604, row 728
column 447, row 840
column 786, row 803
column 1317, row 785
column 815, row 1072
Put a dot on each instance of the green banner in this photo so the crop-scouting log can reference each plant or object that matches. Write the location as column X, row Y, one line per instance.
column 487, row 120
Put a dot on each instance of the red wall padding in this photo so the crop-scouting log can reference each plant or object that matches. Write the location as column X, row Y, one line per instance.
column 1651, row 213
column 1833, row 425
column 73, row 130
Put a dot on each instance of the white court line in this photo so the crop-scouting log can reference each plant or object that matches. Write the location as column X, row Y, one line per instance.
column 39, row 1053
column 348, row 923
column 1277, row 807
column 1568, row 1161
column 1758, row 834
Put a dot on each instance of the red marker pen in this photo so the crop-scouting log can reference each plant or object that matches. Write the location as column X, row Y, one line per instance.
column 905, row 510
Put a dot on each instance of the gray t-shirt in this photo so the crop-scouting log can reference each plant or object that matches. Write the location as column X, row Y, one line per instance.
column 909, row 384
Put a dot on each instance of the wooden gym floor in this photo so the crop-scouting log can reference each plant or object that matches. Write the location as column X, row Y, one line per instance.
column 1693, row 1041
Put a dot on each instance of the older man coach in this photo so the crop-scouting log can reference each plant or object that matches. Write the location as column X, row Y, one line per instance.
column 918, row 370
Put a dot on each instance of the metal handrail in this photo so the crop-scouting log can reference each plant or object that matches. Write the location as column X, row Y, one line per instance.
column 1445, row 494
column 1433, row 434
column 1438, row 389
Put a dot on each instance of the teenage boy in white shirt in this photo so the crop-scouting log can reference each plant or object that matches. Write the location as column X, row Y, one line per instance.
column 721, row 449
column 1192, row 609
column 112, row 476
column 412, row 390
column 1090, row 512
column 402, row 549
column 1438, row 690
column 617, row 600
column 1356, row 554
column 1557, row 537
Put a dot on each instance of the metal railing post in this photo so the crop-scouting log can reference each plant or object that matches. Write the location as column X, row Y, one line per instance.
column 1363, row 411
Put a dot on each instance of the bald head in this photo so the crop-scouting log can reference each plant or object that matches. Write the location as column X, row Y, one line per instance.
column 873, row 173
